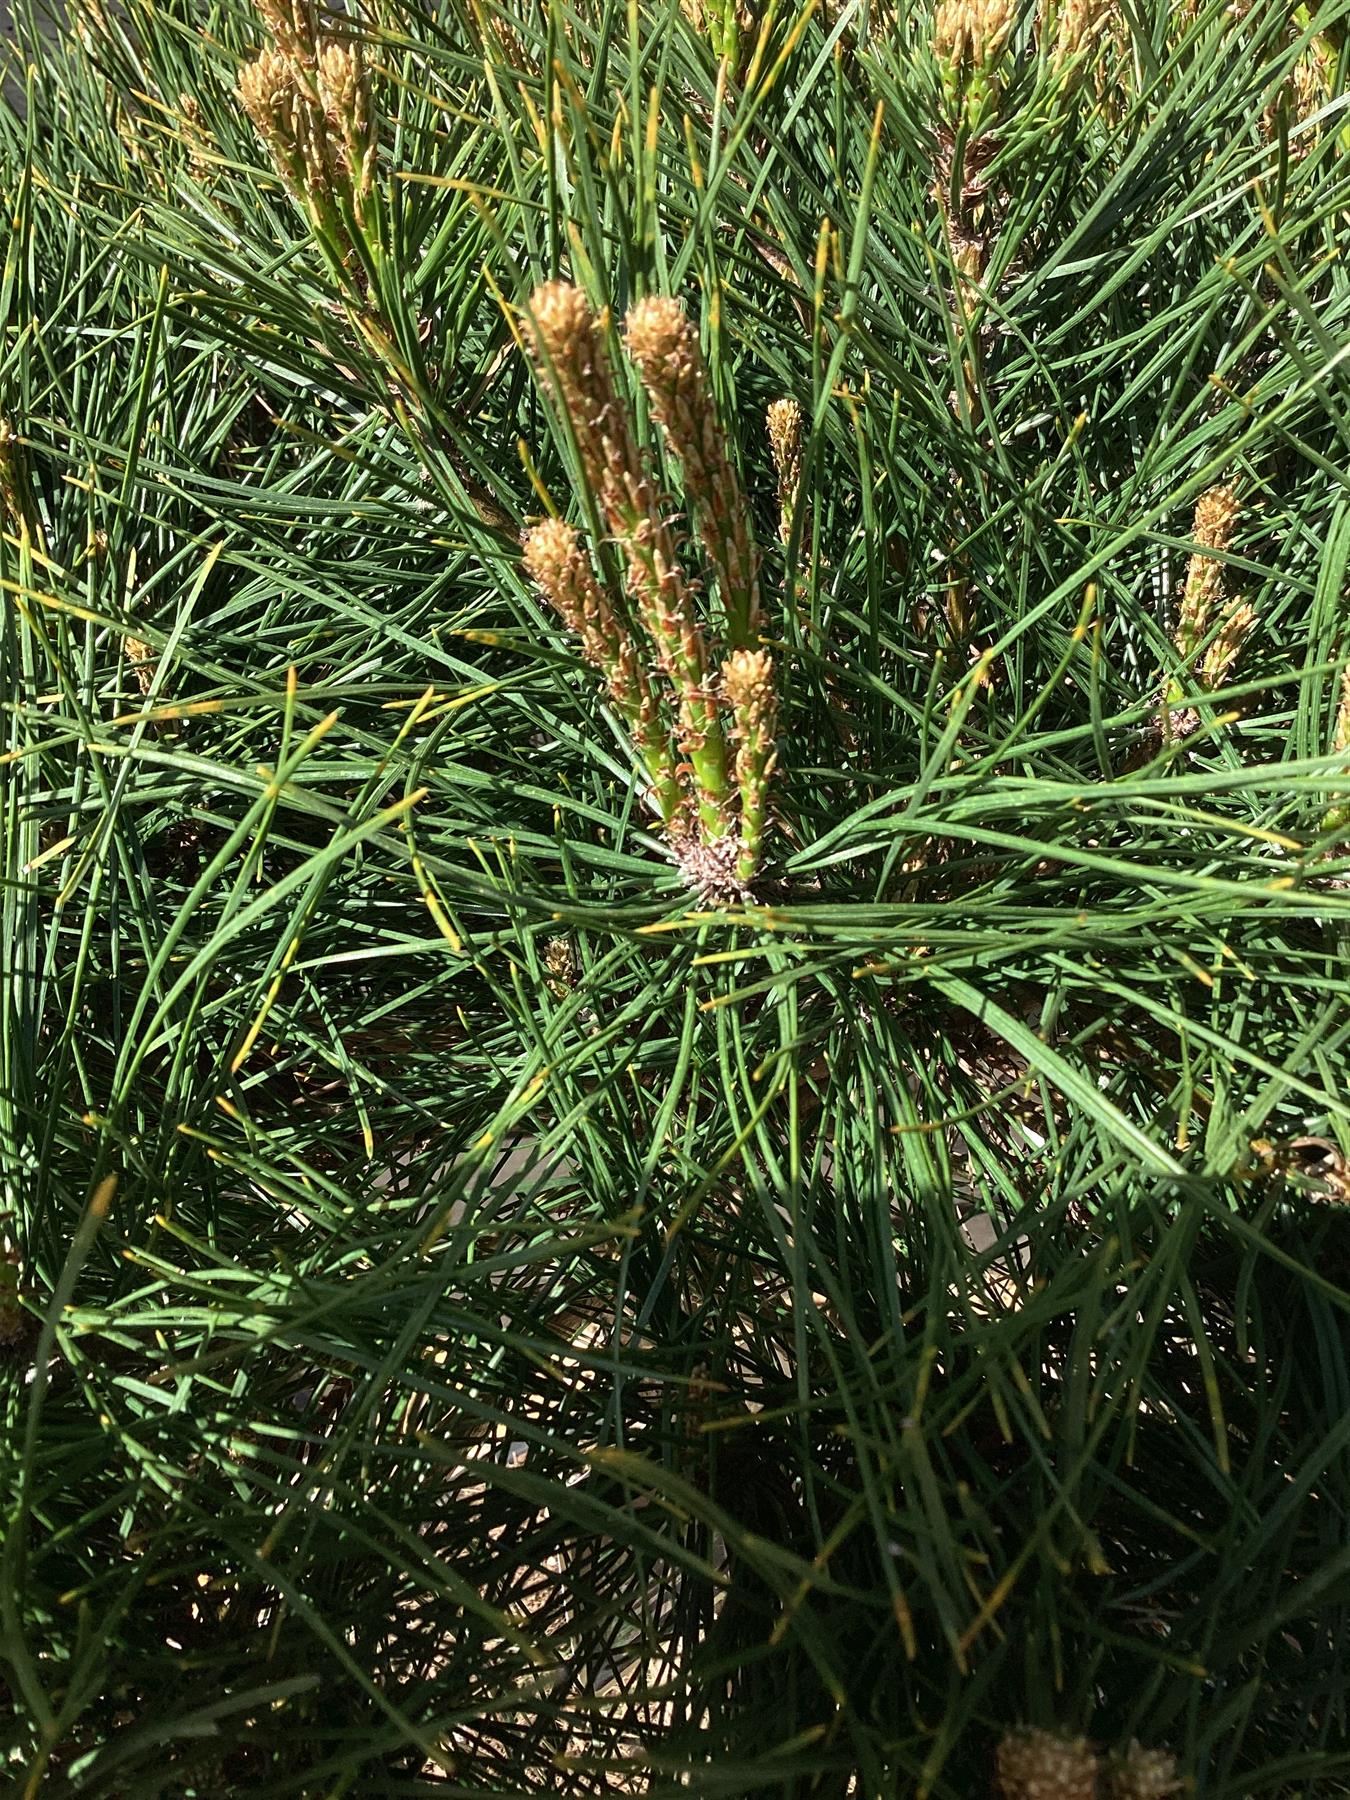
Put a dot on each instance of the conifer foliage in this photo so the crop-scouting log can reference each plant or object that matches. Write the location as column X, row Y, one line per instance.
column 676, row 837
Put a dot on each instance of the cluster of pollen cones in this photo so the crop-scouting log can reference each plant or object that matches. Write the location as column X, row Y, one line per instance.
column 702, row 724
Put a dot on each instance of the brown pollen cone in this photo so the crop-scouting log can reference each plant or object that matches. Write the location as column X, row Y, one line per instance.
column 786, row 426
column 1042, row 1765
column 1141, row 1774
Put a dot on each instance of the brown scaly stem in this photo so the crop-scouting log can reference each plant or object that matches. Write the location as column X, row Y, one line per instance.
column 560, row 568
column 664, row 345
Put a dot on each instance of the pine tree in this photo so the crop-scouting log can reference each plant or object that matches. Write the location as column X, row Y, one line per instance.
column 676, row 801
